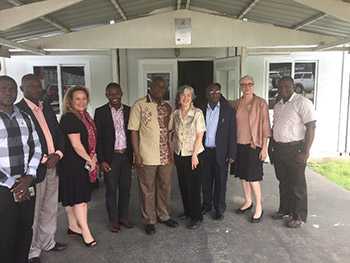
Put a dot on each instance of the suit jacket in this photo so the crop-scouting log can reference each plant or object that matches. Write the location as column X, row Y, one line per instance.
column 225, row 138
column 52, row 123
column 106, row 133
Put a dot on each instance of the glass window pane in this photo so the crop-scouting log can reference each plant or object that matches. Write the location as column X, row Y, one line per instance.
column 304, row 79
column 72, row 76
column 277, row 71
column 49, row 82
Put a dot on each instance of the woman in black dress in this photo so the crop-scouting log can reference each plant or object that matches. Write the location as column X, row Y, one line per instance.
column 78, row 164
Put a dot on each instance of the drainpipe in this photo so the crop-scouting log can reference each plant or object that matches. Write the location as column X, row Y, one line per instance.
column 347, row 120
column 340, row 108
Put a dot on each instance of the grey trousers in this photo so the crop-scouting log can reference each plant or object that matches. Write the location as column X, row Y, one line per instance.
column 45, row 216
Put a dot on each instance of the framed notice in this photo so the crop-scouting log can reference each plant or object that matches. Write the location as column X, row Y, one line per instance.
column 183, row 31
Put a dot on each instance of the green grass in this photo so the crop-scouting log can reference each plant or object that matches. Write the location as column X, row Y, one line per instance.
column 337, row 171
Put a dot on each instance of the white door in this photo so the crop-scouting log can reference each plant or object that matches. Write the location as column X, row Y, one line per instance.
column 227, row 73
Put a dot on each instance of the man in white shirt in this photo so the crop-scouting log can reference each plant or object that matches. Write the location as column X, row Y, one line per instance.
column 294, row 124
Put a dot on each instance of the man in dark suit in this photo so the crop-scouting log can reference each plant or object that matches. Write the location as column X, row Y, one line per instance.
column 52, row 143
column 220, row 150
column 114, row 153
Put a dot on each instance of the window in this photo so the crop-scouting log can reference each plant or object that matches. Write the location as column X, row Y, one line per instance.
column 304, row 74
column 166, row 76
column 53, row 89
column 71, row 76
column 49, row 81
column 276, row 72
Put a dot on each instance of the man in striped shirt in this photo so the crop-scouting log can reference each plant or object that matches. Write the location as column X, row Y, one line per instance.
column 20, row 155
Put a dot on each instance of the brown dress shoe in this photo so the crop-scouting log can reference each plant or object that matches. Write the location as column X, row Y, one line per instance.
column 126, row 223
column 114, row 227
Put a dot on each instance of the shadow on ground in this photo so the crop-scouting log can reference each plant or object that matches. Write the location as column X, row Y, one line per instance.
column 324, row 239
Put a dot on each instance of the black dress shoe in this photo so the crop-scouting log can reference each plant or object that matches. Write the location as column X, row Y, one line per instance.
column 242, row 211
column 150, row 229
column 170, row 223
column 205, row 210
column 257, row 220
column 279, row 216
column 295, row 223
column 218, row 216
column 58, row 247
column 194, row 224
column 34, row 260
column 183, row 217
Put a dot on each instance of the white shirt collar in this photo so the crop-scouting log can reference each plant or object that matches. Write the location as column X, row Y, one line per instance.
column 217, row 105
column 290, row 99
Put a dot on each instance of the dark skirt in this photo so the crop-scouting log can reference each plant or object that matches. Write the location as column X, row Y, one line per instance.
column 248, row 166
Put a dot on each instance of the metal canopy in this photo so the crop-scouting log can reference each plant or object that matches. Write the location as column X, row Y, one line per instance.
column 92, row 13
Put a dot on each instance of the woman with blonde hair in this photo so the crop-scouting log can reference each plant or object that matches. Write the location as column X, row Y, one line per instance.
column 78, row 166
column 253, row 131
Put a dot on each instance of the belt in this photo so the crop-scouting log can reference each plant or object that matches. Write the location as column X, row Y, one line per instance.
column 210, row 148
column 294, row 143
column 120, row 151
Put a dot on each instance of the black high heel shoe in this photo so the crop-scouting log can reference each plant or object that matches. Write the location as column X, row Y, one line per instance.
column 242, row 211
column 257, row 220
column 93, row 243
column 73, row 233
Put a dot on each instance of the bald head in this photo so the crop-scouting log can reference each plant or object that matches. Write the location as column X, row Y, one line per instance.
column 8, row 93
column 31, row 88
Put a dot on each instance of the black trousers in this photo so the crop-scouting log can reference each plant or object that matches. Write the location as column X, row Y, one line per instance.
column 214, row 182
column 190, row 185
column 118, row 182
column 292, row 183
column 16, row 220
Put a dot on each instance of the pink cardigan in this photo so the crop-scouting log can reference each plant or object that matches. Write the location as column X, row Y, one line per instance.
column 259, row 120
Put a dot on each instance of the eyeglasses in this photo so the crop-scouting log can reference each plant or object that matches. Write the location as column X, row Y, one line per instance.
column 246, row 84
column 215, row 92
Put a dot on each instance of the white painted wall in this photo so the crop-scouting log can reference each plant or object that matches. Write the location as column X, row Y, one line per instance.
column 98, row 71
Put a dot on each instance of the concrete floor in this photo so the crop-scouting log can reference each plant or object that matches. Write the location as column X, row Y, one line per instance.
column 324, row 239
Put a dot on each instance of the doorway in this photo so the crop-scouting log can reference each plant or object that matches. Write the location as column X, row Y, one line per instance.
column 198, row 74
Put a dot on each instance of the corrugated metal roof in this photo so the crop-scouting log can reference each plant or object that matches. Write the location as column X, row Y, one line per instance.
column 4, row 5
column 330, row 26
column 137, row 8
column 87, row 13
column 285, row 13
column 35, row 27
column 227, row 7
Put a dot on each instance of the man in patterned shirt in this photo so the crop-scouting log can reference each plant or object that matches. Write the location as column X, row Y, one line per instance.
column 149, row 119
column 20, row 155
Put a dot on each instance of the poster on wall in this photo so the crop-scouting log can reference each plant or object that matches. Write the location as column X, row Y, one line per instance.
column 166, row 76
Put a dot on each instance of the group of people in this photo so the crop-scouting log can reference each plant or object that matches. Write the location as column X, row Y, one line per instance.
column 43, row 161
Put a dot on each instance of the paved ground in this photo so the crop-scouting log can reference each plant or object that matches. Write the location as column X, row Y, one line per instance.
column 324, row 239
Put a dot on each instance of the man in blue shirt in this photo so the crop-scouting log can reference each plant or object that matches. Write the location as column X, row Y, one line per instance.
column 220, row 150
